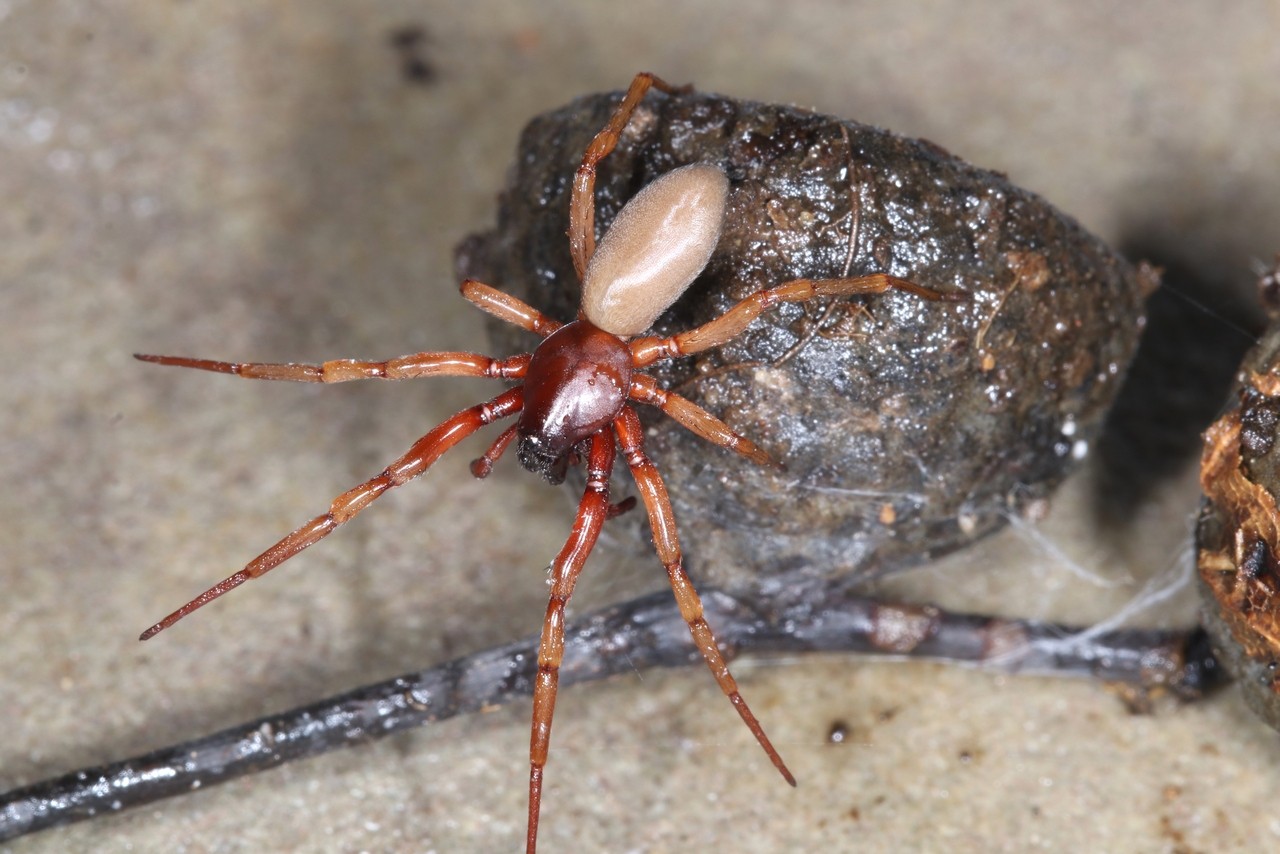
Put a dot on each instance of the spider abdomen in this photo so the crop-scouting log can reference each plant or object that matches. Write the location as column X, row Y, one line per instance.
column 576, row 385
column 655, row 248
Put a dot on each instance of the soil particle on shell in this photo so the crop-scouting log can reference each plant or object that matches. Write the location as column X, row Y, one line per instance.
column 1238, row 534
column 907, row 428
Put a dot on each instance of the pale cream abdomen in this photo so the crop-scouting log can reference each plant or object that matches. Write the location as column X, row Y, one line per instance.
column 655, row 248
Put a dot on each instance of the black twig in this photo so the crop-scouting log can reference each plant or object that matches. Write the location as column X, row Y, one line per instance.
column 645, row 632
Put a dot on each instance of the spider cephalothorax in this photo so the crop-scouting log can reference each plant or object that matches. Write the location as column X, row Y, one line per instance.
column 576, row 393
column 577, row 384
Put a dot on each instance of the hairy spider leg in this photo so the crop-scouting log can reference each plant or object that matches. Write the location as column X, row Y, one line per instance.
column 489, row 299
column 667, row 543
column 694, row 418
column 417, row 460
column 412, row 366
column 726, row 327
column 582, row 202
column 592, row 512
column 508, row 308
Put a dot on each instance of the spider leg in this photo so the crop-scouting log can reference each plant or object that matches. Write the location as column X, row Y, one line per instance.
column 667, row 542
column 697, row 420
column 592, row 512
column 506, row 307
column 344, row 370
column 582, row 203
column 729, row 325
column 501, row 305
column 418, row 459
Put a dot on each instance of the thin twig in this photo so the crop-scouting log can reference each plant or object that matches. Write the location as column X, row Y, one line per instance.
column 646, row 632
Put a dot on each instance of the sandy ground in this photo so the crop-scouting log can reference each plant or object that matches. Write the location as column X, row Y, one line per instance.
column 271, row 182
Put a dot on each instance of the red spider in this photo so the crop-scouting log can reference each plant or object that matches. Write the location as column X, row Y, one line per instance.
column 575, row 395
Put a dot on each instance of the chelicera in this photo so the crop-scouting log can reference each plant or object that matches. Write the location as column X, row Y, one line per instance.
column 575, row 395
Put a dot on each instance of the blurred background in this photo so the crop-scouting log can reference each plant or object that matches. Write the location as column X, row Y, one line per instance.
column 286, row 182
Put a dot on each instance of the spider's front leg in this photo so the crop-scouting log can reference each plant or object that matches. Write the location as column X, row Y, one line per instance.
column 667, row 543
column 593, row 510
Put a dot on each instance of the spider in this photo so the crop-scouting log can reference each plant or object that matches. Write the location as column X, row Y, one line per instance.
column 575, row 393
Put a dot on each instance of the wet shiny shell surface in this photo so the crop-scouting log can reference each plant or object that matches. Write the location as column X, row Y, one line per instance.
column 907, row 428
